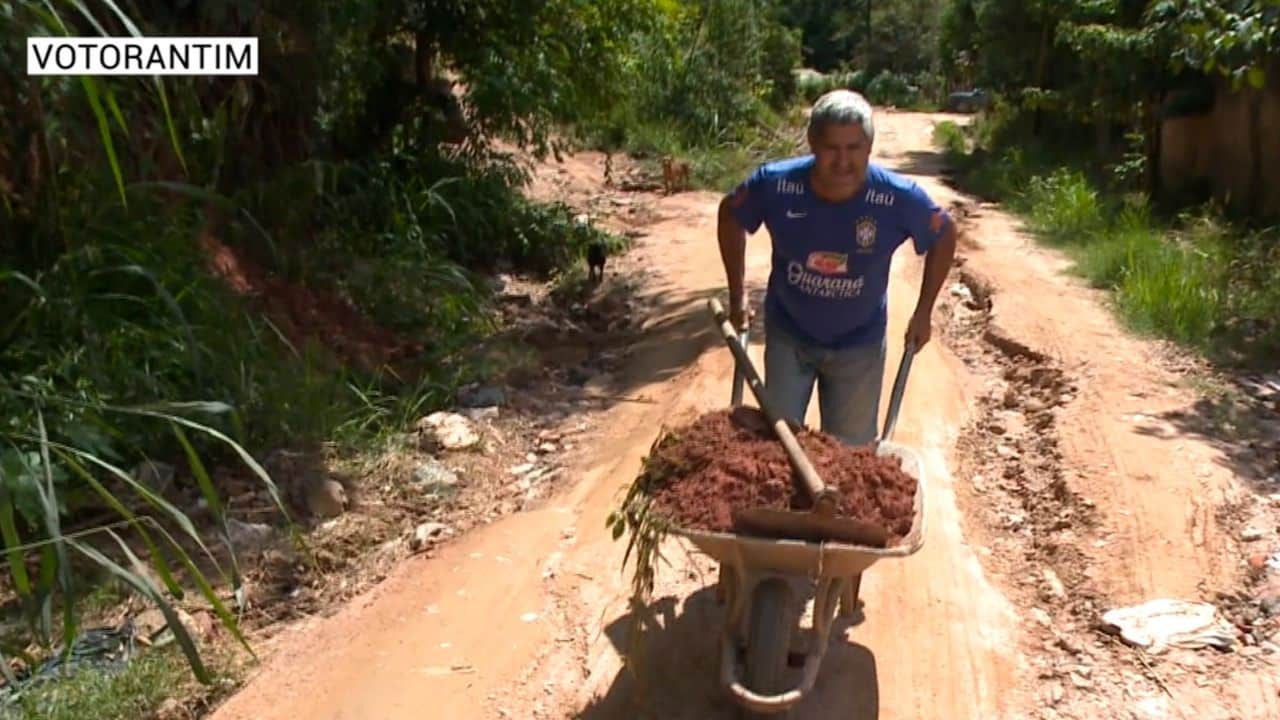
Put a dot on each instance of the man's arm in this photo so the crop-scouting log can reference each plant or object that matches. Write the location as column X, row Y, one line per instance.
column 733, row 252
column 937, row 265
column 936, row 231
column 741, row 211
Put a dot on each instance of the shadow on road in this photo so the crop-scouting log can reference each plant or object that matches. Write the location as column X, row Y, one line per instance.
column 919, row 162
column 1248, row 436
column 675, row 672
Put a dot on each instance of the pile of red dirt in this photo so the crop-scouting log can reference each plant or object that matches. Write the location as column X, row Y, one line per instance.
column 308, row 314
column 728, row 460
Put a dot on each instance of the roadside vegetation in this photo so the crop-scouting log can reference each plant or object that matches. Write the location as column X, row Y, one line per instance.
column 198, row 272
column 1069, row 144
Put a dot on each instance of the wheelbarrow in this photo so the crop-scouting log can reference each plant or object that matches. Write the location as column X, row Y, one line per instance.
column 756, row 577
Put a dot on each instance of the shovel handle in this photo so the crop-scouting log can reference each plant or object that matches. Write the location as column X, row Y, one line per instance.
column 824, row 498
column 899, row 387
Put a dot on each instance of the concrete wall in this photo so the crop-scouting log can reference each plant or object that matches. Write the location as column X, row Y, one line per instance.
column 1217, row 147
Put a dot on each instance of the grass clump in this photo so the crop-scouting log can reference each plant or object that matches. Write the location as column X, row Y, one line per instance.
column 1194, row 276
column 137, row 689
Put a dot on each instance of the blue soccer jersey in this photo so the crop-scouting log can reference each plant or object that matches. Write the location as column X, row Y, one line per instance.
column 830, row 275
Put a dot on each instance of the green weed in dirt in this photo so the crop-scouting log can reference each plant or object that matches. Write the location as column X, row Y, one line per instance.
column 135, row 691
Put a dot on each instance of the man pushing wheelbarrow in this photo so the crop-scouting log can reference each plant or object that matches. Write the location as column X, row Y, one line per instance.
column 835, row 220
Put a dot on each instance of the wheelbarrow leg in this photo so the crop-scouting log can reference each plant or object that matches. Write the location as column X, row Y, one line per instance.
column 849, row 598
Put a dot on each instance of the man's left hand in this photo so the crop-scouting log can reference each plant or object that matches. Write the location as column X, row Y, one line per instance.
column 919, row 330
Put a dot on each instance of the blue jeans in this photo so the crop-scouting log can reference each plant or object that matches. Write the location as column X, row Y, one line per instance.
column 848, row 380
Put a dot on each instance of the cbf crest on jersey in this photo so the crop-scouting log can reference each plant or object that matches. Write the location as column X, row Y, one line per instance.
column 865, row 233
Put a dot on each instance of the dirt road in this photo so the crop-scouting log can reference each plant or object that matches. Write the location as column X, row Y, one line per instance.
column 1031, row 407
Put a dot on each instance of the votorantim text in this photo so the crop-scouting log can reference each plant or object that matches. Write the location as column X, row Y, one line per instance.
column 142, row 56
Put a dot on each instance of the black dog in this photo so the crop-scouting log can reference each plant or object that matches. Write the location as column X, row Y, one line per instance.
column 595, row 262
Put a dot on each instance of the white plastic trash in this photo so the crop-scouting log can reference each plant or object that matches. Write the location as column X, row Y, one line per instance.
column 1159, row 624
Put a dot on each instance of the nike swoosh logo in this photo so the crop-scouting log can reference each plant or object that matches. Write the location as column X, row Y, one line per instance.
column 794, row 215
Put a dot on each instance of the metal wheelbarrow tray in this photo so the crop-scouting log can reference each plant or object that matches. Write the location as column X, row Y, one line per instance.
column 753, row 586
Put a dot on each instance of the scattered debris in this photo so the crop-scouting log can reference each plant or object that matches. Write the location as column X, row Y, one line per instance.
column 482, row 397
column 425, row 534
column 1252, row 533
column 249, row 537
column 434, row 477
column 1160, row 624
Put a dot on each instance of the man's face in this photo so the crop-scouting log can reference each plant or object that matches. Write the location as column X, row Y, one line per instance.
column 841, row 154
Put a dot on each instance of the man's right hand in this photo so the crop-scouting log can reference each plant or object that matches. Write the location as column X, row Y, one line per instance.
column 740, row 313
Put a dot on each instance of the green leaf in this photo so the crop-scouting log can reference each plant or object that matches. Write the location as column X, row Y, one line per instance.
column 162, row 567
column 133, row 29
column 91, row 439
column 211, row 497
column 1257, row 77
column 53, row 526
column 201, row 475
column 139, row 582
column 89, row 16
column 179, row 517
column 9, row 532
column 18, row 473
column 90, row 85
column 173, row 128
column 170, row 303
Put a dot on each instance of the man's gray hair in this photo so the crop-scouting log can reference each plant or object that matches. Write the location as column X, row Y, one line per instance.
column 841, row 107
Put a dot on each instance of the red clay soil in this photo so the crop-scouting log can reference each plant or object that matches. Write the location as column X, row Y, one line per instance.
column 728, row 460
column 305, row 314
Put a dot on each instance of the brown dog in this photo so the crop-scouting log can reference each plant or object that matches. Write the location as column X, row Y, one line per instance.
column 675, row 174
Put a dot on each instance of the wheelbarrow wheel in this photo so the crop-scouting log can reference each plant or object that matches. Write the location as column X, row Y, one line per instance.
column 768, row 643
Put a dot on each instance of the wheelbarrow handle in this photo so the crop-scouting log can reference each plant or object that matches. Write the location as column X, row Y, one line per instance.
column 739, row 377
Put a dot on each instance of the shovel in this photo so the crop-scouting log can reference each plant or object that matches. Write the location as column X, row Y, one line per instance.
column 820, row 522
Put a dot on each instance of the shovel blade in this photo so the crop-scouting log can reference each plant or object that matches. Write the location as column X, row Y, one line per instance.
column 808, row 526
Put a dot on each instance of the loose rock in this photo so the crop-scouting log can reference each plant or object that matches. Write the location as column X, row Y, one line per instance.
column 1270, row 605
column 481, row 413
column 483, row 397
column 1080, row 682
column 1056, row 588
column 327, row 499
column 1251, row 534
column 450, row 431
column 434, row 477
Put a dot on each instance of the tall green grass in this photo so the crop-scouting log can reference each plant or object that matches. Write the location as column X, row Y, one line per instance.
column 118, row 345
column 1194, row 277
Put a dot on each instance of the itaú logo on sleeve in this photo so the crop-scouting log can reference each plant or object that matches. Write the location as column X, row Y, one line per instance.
column 790, row 187
column 200, row 56
column 835, row 287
